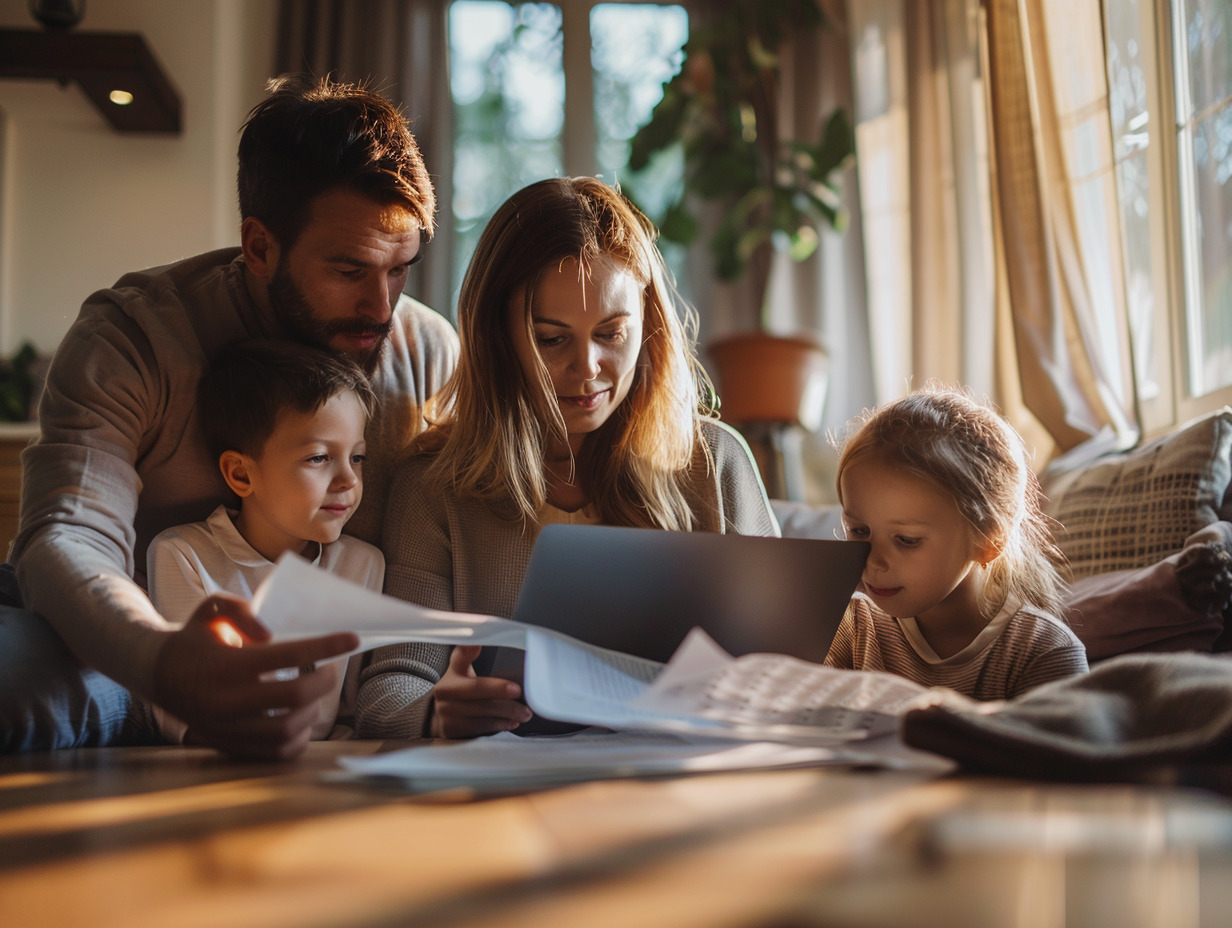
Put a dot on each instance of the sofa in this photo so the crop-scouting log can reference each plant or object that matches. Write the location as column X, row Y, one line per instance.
column 1148, row 536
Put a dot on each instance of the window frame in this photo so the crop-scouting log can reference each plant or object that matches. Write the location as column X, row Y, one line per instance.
column 1173, row 257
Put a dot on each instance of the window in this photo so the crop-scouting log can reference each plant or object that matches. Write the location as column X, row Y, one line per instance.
column 1170, row 83
column 539, row 91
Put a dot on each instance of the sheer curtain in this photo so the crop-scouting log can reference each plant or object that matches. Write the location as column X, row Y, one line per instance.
column 990, row 225
column 923, row 168
column 1062, row 319
column 400, row 48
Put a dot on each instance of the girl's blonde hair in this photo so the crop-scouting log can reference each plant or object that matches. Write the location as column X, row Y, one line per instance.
column 498, row 421
column 970, row 453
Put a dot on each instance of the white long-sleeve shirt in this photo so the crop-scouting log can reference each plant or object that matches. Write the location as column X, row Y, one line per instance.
column 187, row 563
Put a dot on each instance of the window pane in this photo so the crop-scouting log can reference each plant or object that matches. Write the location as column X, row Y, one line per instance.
column 1091, row 203
column 635, row 49
column 1208, row 40
column 1127, row 100
column 1210, row 307
column 507, row 79
column 1128, row 41
column 1134, row 191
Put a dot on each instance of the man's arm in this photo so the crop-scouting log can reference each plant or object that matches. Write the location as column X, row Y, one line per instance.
column 106, row 399
column 74, row 550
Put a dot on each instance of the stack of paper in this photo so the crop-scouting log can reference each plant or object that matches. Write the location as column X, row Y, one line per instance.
column 703, row 701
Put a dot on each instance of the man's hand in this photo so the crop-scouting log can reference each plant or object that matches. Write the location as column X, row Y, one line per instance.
column 209, row 675
column 466, row 706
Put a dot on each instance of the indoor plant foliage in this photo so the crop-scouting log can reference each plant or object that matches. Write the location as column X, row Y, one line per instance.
column 720, row 110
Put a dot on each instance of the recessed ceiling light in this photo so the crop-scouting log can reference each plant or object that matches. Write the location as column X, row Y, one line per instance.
column 120, row 97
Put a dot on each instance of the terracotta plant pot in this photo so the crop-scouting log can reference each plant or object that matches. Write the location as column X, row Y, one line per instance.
column 771, row 379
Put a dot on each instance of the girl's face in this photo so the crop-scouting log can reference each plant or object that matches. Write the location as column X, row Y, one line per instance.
column 923, row 558
column 588, row 332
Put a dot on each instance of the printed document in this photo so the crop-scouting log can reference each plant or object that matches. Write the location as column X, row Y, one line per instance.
column 702, row 691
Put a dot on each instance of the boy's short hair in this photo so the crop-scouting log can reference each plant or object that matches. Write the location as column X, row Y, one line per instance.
column 253, row 382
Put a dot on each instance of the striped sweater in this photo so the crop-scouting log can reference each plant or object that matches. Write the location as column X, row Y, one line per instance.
column 1020, row 648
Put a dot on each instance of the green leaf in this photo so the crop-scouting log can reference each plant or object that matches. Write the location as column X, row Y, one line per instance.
column 750, row 240
column 679, row 225
column 724, row 174
column 825, row 211
column 662, row 130
column 838, row 143
column 728, row 263
column 803, row 243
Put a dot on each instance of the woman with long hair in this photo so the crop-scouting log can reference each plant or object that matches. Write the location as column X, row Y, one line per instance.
column 577, row 398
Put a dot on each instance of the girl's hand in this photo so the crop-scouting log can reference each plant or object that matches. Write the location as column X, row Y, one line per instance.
column 466, row 706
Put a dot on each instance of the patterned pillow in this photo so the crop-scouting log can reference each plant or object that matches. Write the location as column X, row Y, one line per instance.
column 1133, row 509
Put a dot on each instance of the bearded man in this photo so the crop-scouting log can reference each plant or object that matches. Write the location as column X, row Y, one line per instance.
column 335, row 205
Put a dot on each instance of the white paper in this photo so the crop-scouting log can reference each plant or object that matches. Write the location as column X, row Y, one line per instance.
column 298, row 600
column 702, row 691
column 505, row 761
column 776, row 694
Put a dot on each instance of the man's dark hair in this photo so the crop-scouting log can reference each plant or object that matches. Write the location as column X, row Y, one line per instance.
column 312, row 136
column 251, row 383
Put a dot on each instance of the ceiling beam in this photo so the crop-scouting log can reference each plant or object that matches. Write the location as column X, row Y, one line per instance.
column 107, row 65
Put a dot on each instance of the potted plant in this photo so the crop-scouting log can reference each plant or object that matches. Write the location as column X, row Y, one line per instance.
column 721, row 113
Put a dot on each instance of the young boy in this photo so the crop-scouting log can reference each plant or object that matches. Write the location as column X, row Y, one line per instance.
column 286, row 424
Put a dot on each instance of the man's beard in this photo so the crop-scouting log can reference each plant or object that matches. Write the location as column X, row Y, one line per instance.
column 294, row 311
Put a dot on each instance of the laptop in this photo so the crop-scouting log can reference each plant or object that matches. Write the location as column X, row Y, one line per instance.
column 640, row 591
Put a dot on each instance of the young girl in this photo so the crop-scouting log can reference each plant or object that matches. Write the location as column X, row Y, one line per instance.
column 962, row 585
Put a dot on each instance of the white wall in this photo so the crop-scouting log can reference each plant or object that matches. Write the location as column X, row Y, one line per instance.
column 80, row 203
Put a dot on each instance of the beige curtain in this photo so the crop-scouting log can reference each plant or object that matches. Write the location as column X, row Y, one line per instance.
column 922, row 161
column 989, row 210
column 1062, row 350
column 401, row 48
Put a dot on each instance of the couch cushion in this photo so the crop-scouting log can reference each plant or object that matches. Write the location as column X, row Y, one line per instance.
column 1133, row 509
column 1139, row 610
column 802, row 520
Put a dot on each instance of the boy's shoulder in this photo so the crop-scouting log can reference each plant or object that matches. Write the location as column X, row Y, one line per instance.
column 189, row 534
column 356, row 560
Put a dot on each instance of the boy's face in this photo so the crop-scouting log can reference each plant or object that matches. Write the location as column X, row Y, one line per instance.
column 307, row 480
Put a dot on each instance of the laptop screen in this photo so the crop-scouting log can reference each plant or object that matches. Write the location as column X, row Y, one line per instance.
column 640, row 591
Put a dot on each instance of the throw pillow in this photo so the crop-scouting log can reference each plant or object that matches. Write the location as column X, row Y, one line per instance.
column 1140, row 610
column 1133, row 509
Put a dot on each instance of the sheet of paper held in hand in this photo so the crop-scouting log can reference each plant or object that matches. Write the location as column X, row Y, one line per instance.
column 701, row 695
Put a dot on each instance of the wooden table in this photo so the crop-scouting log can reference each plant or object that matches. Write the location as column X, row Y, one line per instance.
column 180, row 837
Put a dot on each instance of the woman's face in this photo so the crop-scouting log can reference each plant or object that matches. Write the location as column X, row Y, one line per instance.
column 588, row 331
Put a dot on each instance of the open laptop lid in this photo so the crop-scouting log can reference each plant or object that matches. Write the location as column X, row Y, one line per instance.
column 640, row 591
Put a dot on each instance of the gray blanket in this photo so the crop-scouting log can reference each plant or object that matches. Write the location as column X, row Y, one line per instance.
column 1130, row 715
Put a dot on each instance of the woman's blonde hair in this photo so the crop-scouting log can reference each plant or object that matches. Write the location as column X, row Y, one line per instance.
column 498, row 421
column 970, row 453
